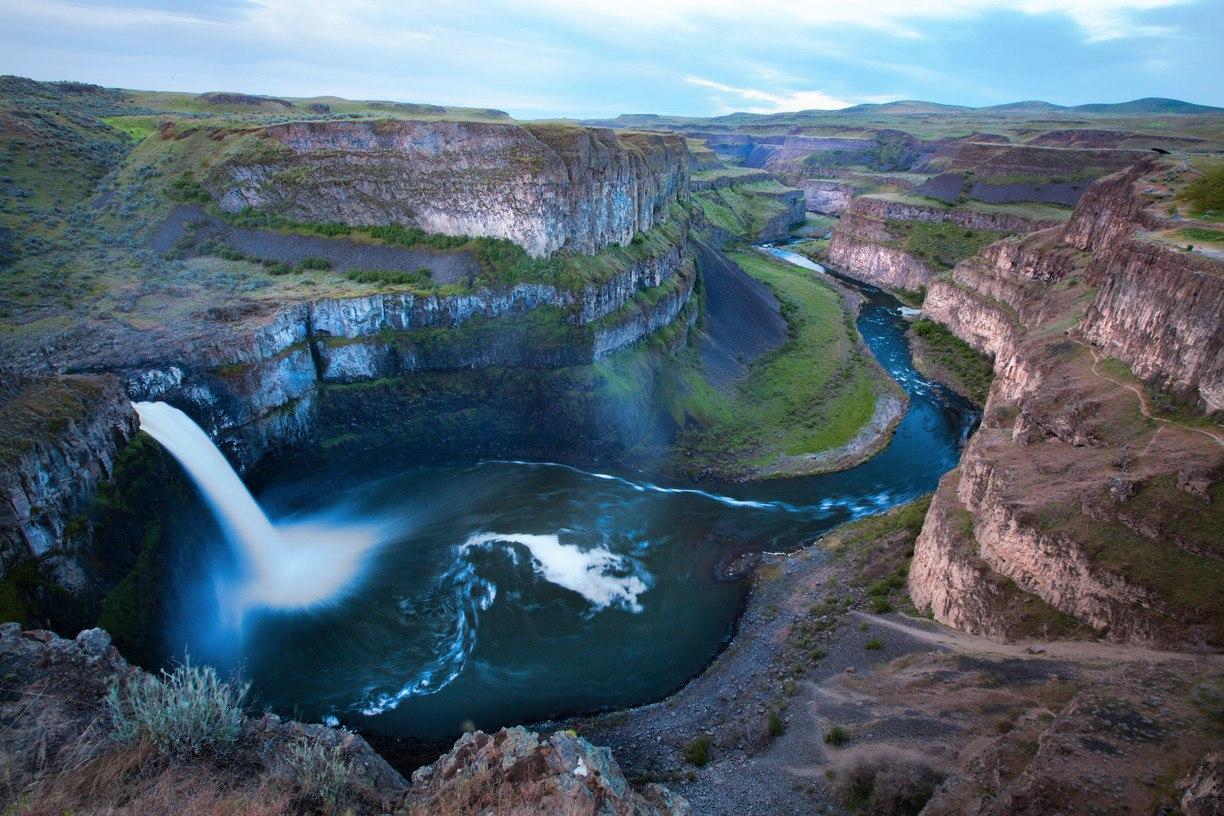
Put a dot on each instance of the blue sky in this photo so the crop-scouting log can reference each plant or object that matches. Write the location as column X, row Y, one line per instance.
column 539, row 58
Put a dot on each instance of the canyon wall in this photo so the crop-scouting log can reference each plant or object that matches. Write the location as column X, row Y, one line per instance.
column 1072, row 512
column 864, row 246
column 546, row 187
column 61, row 440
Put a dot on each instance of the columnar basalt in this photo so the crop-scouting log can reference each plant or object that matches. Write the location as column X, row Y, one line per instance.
column 545, row 187
column 62, row 437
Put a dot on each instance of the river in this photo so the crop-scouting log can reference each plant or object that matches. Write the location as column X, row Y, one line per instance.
column 504, row 591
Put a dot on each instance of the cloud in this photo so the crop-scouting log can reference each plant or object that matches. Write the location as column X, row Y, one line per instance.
column 776, row 101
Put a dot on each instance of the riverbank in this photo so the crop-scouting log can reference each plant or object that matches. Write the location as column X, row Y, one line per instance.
column 819, row 702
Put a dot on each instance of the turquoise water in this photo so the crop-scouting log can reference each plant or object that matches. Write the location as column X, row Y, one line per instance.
column 506, row 592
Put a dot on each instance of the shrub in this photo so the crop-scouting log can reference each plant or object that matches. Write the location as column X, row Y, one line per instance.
column 315, row 263
column 836, row 736
column 321, row 770
column 418, row 277
column 874, row 645
column 777, row 725
column 880, row 605
column 889, row 787
column 1206, row 193
column 187, row 711
column 186, row 189
column 697, row 751
column 818, row 654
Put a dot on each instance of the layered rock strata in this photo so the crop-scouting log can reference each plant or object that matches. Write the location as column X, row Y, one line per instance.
column 62, row 437
column 864, row 247
column 1070, row 493
column 545, row 187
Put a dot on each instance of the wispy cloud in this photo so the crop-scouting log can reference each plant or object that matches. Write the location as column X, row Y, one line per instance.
column 729, row 98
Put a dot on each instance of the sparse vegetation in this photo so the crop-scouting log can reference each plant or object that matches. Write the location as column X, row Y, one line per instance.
column 189, row 710
column 971, row 372
column 321, row 771
column 697, row 750
column 775, row 723
column 873, row 645
column 941, row 244
column 1206, row 193
column 836, row 736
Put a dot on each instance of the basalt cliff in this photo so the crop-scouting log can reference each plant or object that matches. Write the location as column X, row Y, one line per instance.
column 545, row 187
column 1088, row 503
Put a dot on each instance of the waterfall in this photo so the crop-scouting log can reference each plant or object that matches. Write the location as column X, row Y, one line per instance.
column 290, row 565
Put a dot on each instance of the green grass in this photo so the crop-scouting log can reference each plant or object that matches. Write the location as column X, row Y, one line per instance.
column 972, row 371
column 813, row 394
column 1206, row 193
column 940, row 245
column 836, row 736
column 136, row 127
column 1203, row 234
column 738, row 210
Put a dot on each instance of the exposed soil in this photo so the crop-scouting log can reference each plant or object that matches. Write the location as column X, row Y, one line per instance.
column 915, row 698
column 344, row 253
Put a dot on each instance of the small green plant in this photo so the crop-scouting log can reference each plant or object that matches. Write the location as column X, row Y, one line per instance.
column 315, row 263
column 697, row 751
column 320, row 770
column 418, row 277
column 186, row 711
column 874, row 645
column 836, row 736
column 818, row 654
column 777, row 725
column 1206, row 193
column 880, row 605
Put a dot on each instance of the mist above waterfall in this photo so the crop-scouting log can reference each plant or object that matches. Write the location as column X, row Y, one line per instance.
column 296, row 564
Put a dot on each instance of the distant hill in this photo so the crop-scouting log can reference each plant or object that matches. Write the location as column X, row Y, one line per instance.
column 903, row 106
column 1150, row 104
column 1030, row 107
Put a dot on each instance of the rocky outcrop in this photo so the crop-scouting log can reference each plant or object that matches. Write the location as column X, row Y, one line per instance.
column 61, row 438
column 1160, row 311
column 826, row 197
column 864, row 247
column 546, row 187
column 1068, row 496
column 516, row 771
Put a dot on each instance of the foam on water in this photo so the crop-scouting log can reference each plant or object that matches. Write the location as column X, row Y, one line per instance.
column 600, row 576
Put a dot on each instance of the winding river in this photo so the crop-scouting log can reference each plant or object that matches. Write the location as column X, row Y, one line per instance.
column 503, row 591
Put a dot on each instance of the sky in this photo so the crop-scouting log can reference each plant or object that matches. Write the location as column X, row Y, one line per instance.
column 555, row 58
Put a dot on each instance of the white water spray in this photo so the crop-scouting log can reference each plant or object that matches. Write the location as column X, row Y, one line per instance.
column 289, row 566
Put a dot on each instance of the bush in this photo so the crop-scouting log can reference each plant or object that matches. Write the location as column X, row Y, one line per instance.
column 880, row 605
column 836, row 736
column 315, row 263
column 874, row 645
column 697, row 752
column 777, row 725
column 418, row 277
column 1206, row 193
column 321, row 771
column 187, row 711
column 889, row 788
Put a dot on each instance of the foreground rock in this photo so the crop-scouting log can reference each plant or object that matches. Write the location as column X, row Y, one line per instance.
column 515, row 771
column 817, row 706
column 61, row 755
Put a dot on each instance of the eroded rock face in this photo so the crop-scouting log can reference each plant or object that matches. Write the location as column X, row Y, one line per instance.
column 826, row 197
column 516, row 771
column 863, row 247
column 1162, row 311
column 1068, row 496
column 545, row 187
column 65, row 435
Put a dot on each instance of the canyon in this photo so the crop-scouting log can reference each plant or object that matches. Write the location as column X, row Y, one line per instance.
column 587, row 297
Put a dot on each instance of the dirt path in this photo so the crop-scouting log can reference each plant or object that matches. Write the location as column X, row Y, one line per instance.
column 1143, row 403
column 1076, row 651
